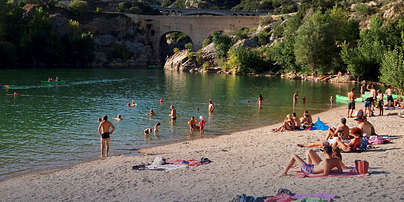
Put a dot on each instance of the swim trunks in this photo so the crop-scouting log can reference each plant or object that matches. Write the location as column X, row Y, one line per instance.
column 351, row 105
column 381, row 103
column 174, row 118
column 307, row 168
column 105, row 135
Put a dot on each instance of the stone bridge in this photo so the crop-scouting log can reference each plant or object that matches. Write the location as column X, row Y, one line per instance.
column 187, row 12
column 198, row 28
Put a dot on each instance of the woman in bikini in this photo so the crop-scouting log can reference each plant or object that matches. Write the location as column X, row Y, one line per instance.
column 315, row 165
column 353, row 143
column 287, row 124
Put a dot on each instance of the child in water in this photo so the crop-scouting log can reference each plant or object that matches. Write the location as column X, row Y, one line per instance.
column 201, row 125
column 192, row 124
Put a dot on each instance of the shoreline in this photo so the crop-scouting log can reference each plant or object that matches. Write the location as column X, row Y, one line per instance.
column 242, row 162
column 136, row 152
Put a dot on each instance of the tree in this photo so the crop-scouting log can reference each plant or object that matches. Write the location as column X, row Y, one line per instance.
column 392, row 68
column 222, row 43
column 78, row 7
column 315, row 44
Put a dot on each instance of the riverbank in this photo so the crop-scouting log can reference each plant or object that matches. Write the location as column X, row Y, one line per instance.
column 243, row 162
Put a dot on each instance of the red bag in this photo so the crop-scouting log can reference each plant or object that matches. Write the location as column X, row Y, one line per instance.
column 361, row 166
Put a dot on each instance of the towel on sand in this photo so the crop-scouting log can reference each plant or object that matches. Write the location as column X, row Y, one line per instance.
column 350, row 173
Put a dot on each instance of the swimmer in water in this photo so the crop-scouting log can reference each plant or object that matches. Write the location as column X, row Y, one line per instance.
column 132, row 104
column 161, row 100
column 192, row 124
column 156, row 129
column 147, row 131
column 211, row 106
column 118, row 118
column 15, row 94
column 151, row 113
column 201, row 125
column 260, row 100
column 197, row 109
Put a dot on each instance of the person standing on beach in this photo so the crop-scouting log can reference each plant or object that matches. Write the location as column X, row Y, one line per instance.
column 363, row 87
column 211, row 107
column 351, row 103
column 373, row 95
column 389, row 93
column 103, row 130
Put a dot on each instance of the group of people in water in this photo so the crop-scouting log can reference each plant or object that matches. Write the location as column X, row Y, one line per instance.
column 106, row 128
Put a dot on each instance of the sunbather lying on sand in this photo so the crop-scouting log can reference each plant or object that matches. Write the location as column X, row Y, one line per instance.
column 353, row 143
column 287, row 124
column 315, row 164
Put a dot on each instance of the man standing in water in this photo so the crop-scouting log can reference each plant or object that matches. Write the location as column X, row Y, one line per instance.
column 103, row 130
column 173, row 113
column 351, row 103
column 295, row 96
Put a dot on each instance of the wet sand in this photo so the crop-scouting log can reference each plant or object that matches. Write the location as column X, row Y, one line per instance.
column 243, row 162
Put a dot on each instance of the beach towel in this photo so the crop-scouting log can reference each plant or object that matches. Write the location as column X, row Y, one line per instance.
column 280, row 198
column 310, row 199
column 190, row 162
column 319, row 125
column 322, row 196
column 165, row 167
column 351, row 173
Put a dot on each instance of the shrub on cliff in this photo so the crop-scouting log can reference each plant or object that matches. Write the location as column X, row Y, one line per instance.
column 222, row 43
column 245, row 60
column 78, row 7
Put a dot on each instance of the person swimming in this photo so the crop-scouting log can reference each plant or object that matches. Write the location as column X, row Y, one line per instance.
column 118, row 118
column 147, row 131
column 132, row 104
column 151, row 113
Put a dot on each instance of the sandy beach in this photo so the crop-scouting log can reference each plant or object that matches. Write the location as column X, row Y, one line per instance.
column 243, row 162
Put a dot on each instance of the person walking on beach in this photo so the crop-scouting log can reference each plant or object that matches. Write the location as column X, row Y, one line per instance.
column 351, row 103
column 103, row 130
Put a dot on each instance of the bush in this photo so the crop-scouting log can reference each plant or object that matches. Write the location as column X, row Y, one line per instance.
column 78, row 7
column 364, row 10
column 120, row 51
column 206, row 42
column 188, row 46
column 246, row 60
column 176, row 50
column 206, row 65
column 265, row 20
column 392, row 68
column 98, row 10
column 222, row 43
column 123, row 6
column 135, row 10
column 241, row 33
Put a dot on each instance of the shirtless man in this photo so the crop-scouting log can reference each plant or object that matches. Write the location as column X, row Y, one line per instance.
column 363, row 87
column 373, row 95
column 118, row 118
column 351, row 103
column 389, row 93
column 296, row 121
column 315, row 164
column 295, row 96
column 103, row 130
column 211, row 106
column 332, row 132
column 366, row 127
column 173, row 113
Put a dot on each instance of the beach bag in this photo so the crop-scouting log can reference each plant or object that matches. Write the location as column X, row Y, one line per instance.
column 361, row 167
column 376, row 140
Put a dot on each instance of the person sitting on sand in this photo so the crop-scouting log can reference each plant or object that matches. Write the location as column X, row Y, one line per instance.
column 366, row 127
column 353, row 143
column 151, row 113
column 296, row 121
column 192, row 124
column 330, row 139
column 332, row 132
column 398, row 102
column 287, row 124
column 156, row 128
column 306, row 120
column 118, row 118
column 315, row 165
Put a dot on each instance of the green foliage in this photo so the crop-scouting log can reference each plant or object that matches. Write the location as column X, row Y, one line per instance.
column 206, row 65
column 392, row 68
column 177, row 37
column 241, row 34
column 246, row 60
column 123, row 6
column 222, row 43
column 176, row 50
column 188, row 46
column 364, row 10
column 135, row 10
column 78, row 7
column 206, row 42
column 265, row 20
column 315, row 44
column 179, row 4
column 283, row 54
column 98, row 10
column 263, row 38
column 120, row 51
